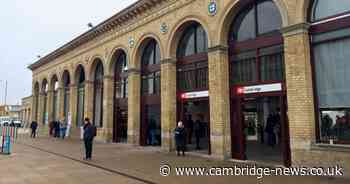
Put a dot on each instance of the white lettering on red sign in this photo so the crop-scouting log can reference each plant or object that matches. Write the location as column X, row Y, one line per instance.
column 199, row 94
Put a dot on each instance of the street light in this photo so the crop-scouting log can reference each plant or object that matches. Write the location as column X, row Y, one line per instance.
column 5, row 95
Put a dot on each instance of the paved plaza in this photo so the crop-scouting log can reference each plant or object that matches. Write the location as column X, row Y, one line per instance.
column 48, row 160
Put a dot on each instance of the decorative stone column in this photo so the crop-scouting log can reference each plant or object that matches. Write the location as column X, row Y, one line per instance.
column 301, row 112
column 61, row 103
column 50, row 105
column 168, row 103
column 41, row 110
column 134, row 106
column 108, row 108
column 73, row 100
column 33, row 107
column 89, row 100
column 219, row 100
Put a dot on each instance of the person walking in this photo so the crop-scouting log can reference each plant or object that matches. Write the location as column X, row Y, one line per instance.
column 180, row 138
column 57, row 129
column 33, row 126
column 63, row 129
column 89, row 134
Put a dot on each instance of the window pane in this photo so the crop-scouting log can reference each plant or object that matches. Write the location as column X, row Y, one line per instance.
column 244, row 71
column 98, row 106
column 148, row 55
column 150, row 81
column 157, row 55
column 202, row 45
column 186, row 46
column 332, row 68
column 157, row 84
column 272, row 63
column 269, row 18
column 126, row 87
column 244, row 27
column 327, row 8
column 335, row 125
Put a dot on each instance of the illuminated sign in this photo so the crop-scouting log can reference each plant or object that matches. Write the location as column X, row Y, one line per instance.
column 198, row 94
column 260, row 88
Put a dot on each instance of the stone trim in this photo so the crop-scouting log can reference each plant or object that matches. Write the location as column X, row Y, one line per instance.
column 218, row 48
column 168, row 61
column 295, row 29
column 134, row 71
column 108, row 77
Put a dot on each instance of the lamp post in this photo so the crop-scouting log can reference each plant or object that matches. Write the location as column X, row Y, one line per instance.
column 5, row 95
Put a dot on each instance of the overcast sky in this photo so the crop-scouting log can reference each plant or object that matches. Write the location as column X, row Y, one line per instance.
column 36, row 27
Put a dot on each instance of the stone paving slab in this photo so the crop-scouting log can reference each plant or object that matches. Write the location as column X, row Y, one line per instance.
column 30, row 166
column 130, row 160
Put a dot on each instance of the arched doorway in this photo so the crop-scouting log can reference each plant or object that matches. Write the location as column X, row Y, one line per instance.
column 55, row 100
column 257, row 81
column 98, row 94
column 80, row 81
column 193, row 85
column 44, row 91
column 120, row 115
column 66, row 96
column 330, row 44
column 150, row 95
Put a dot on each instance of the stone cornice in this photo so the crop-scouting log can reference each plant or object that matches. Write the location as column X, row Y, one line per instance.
column 295, row 29
column 118, row 20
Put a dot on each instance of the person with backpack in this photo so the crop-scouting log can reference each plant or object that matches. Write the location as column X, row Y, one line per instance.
column 33, row 126
column 89, row 135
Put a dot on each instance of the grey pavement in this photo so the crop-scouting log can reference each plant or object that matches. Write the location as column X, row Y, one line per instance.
column 48, row 160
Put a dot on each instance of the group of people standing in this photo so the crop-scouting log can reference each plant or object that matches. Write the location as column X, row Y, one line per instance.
column 58, row 129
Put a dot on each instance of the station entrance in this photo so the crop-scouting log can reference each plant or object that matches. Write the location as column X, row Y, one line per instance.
column 259, row 126
column 194, row 113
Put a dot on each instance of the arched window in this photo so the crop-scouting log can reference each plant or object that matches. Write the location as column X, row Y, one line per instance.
column 193, row 41
column 151, row 69
column 120, row 118
column 55, row 104
column 66, row 91
column 258, row 19
column 81, row 95
column 322, row 9
column 45, row 89
column 150, row 85
column 98, row 95
column 256, row 45
column 192, row 58
column 330, row 42
column 121, row 76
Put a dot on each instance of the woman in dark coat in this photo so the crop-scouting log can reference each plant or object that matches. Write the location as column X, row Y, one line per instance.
column 180, row 138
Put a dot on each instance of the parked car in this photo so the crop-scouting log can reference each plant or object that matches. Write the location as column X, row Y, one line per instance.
column 4, row 123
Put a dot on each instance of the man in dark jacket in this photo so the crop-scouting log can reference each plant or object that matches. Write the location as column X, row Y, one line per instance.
column 180, row 138
column 89, row 134
column 33, row 126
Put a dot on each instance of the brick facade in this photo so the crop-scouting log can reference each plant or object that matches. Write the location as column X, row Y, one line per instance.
column 146, row 22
